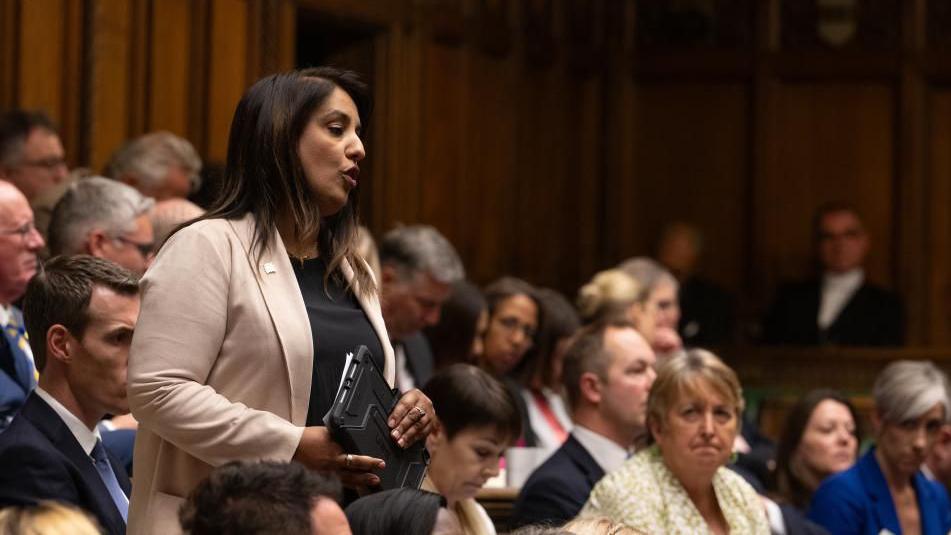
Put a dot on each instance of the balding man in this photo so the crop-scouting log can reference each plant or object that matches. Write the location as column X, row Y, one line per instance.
column 19, row 243
column 608, row 374
column 106, row 219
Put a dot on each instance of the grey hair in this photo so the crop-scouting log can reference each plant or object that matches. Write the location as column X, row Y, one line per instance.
column 648, row 273
column 94, row 203
column 421, row 249
column 148, row 158
column 906, row 389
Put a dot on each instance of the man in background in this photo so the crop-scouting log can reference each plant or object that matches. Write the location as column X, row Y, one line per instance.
column 840, row 307
column 608, row 373
column 160, row 165
column 104, row 218
column 419, row 267
column 19, row 244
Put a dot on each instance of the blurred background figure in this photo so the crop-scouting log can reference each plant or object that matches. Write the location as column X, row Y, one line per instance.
column 840, row 306
column 661, row 310
column 19, row 245
column 46, row 518
column 106, row 219
column 419, row 267
column 264, row 498
column 937, row 466
column 31, row 154
column 539, row 373
column 820, row 438
column 706, row 309
column 477, row 420
column 366, row 249
column 886, row 490
column 160, row 165
column 608, row 373
column 464, row 318
column 167, row 215
column 681, row 484
column 399, row 512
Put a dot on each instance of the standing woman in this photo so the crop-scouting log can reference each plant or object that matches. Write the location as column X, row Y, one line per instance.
column 886, row 492
column 249, row 311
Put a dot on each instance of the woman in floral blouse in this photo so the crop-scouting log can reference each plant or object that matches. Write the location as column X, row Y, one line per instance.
column 679, row 485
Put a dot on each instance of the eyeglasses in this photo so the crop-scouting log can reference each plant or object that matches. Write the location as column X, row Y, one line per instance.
column 144, row 248
column 24, row 230
column 511, row 324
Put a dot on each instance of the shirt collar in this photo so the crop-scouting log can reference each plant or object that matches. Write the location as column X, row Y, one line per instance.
column 853, row 278
column 608, row 454
column 5, row 312
column 86, row 437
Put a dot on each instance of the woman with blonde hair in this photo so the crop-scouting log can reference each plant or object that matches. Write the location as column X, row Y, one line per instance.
column 680, row 485
column 46, row 518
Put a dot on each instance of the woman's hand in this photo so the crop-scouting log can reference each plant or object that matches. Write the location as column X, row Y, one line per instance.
column 318, row 451
column 412, row 418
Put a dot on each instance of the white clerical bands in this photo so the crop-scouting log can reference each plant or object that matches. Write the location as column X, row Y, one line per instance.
column 420, row 411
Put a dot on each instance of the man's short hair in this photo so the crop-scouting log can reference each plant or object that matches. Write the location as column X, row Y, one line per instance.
column 60, row 292
column 94, row 203
column 256, row 498
column 15, row 127
column 588, row 353
column 148, row 158
column 421, row 249
column 831, row 207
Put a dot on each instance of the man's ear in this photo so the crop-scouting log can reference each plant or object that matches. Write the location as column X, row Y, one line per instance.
column 96, row 242
column 59, row 344
column 590, row 387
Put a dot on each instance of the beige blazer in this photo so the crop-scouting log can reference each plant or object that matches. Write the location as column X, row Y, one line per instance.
column 220, row 366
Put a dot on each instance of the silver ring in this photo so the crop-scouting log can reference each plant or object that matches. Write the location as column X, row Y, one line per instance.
column 420, row 411
column 349, row 459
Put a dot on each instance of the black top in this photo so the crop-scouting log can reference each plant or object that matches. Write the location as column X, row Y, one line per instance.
column 339, row 325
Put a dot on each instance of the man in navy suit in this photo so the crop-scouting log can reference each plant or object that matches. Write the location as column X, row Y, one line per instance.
column 19, row 243
column 81, row 312
column 418, row 268
column 841, row 307
column 608, row 373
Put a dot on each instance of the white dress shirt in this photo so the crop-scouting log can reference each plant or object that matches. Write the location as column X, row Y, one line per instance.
column 86, row 437
column 608, row 454
column 837, row 289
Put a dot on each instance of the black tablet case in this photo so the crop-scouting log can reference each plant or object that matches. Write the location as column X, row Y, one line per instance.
column 358, row 423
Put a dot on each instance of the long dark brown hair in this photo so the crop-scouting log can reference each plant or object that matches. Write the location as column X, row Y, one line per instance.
column 264, row 176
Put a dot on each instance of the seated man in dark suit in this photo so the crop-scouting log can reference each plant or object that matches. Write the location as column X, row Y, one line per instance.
column 80, row 311
column 418, row 268
column 841, row 307
column 608, row 373
column 19, row 244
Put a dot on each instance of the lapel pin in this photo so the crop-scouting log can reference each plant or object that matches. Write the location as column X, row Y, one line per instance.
column 269, row 268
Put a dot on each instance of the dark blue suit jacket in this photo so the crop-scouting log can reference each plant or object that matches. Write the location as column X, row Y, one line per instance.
column 858, row 501
column 17, row 377
column 40, row 459
column 558, row 489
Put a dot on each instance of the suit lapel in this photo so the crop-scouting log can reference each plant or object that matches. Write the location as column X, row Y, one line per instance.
column 877, row 488
column 926, row 505
column 45, row 419
column 583, row 459
column 275, row 277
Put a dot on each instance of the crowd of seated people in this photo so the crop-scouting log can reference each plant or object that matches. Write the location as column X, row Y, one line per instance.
column 211, row 374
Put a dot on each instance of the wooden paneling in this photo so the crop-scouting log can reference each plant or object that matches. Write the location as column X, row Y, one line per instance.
column 169, row 74
column 228, row 76
column 109, row 85
column 938, row 229
column 826, row 141
column 40, row 83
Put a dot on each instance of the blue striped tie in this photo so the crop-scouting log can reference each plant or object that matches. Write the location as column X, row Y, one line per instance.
column 104, row 467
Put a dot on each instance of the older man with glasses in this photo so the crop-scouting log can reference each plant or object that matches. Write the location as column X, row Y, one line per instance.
column 19, row 243
column 31, row 153
column 106, row 219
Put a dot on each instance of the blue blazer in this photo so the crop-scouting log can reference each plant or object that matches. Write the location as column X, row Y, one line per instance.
column 858, row 501
column 40, row 459
column 558, row 489
column 17, row 377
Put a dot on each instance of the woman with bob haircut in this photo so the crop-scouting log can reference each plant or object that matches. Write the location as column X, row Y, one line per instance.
column 820, row 438
column 478, row 420
column 680, row 484
column 886, row 492
column 249, row 311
